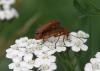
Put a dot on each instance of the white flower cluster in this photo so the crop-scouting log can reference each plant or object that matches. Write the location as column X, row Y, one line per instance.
column 77, row 41
column 27, row 54
column 94, row 64
column 6, row 12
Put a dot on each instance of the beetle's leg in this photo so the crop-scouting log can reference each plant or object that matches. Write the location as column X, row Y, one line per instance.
column 57, row 41
column 64, row 41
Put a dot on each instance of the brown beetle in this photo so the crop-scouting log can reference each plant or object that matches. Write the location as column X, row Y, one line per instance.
column 52, row 28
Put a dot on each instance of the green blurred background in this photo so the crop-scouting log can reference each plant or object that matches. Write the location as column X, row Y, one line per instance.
column 73, row 14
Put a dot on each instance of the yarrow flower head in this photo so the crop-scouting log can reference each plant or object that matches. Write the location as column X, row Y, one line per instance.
column 94, row 64
column 23, row 51
column 6, row 11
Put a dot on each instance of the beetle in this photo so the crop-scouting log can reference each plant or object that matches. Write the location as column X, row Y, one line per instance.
column 52, row 28
column 45, row 28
